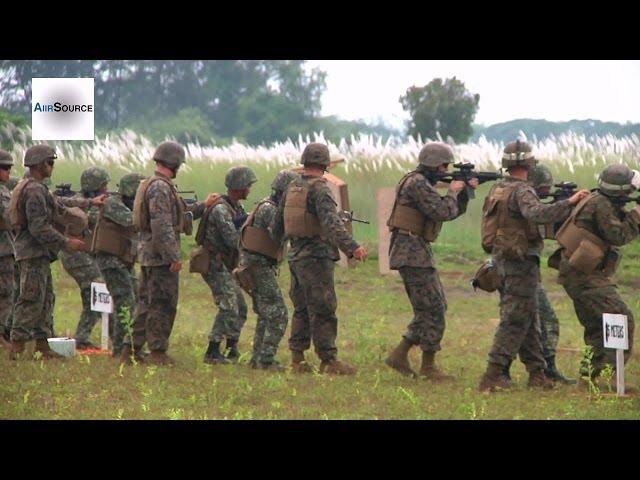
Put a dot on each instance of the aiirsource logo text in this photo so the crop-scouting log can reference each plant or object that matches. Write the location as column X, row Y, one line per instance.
column 61, row 107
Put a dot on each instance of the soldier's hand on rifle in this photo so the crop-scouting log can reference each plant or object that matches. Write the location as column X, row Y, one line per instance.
column 211, row 199
column 175, row 266
column 99, row 200
column 456, row 186
column 579, row 195
column 360, row 253
column 75, row 244
column 473, row 183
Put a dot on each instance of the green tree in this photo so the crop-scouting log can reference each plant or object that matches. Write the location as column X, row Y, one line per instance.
column 447, row 108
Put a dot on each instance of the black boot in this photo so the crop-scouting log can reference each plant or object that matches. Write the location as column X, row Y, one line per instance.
column 213, row 355
column 232, row 350
column 506, row 370
column 554, row 374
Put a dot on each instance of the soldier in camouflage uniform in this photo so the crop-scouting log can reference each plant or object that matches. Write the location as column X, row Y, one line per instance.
column 593, row 293
column 415, row 222
column 160, row 216
column 81, row 266
column 541, row 180
column 511, row 213
column 307, row 216
column 259, row 259
column 114, row 246
column 36, row 245
column 219, row 234
column 7, row 258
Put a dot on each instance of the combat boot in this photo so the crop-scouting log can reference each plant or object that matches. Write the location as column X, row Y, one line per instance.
column 42, row 346
column 158, row 357
column 214, row 356
column 233, row 353
column 17, row 349
column 398, row 359
column 554, row 374
column 336, row 367
column 493, row 379
column 506, row 370
column 299, row 364
column 538, row 379
column 430, row 371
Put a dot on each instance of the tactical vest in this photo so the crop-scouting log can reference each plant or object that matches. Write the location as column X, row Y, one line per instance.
column 141, row 217
column 503, row 232
column 16, row 214
column 258, row 240
column 298, row 221
column 409, row 221
column 114, row 239
column 230, row 260
column 584, row 250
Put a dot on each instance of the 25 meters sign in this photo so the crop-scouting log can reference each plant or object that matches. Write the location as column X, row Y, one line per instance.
column 615, row 331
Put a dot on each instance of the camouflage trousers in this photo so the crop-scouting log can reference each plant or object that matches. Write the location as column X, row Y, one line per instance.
column 518, row 332
column 84, row 276
column 33, row 316
column 232, row 307
column 271, row 310
column 156, row 308
column 121, row 283
column 314, row 301
column 429, row 304
column 550, row 327
column 7, row 293
column 592, row 296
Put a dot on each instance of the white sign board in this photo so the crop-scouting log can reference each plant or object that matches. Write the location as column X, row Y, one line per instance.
column 100, row 298
column 615, row 331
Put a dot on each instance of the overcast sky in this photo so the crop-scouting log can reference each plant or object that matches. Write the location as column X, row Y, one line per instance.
column 556, row 90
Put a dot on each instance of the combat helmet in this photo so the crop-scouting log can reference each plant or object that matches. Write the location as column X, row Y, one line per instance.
column 93, row 178
column 282, row 180
column 6, row 158
column 37, row 154
column 434, row 154
column 129, row 184
column 616, row 180
column 239, row 177
column 171, row 154
column 316, row 154
column 541, row 176
column 518, row 154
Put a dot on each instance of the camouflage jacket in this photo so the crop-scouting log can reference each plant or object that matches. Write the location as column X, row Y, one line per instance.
column 418, row 193
column 612, row 224
column 262, row 219
column 116, row 211
column 6, row 237
column 161, row 244
column 39, row 238
column 524, row 203
column 320, row 202
column 221, row 234
column 74, row 259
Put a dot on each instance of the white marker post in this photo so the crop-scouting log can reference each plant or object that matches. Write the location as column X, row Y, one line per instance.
column 101, row 302
column 615, row 334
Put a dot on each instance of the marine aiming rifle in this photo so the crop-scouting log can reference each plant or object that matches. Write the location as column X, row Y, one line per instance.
column 466, row 172
column 563, row 191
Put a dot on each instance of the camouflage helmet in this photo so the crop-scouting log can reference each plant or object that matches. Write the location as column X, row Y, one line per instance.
column 37, row 154
column 282, row 180
column 239, row 177
column 171, row 154
column 129, row 184
column 616, row 180
column 316, row 154
column 518, row 154
column 434, row 154
column 12, row 182
column 5, row 158
column 540, row 176
column 93, row 178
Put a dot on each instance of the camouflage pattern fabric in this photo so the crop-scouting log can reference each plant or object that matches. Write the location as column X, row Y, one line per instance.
column 33, row 318
column 427, row 298
column 6, row 237
column 550, row 326
column 7, row 293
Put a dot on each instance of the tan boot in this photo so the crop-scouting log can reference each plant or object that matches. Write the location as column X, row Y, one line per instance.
column 17, row 349
column 336, row 367
column 299, row 364
column 42, row 346
column 398, row 359
column 538, row 379
column 158, row 357
column 493, row 379
column 430, row 371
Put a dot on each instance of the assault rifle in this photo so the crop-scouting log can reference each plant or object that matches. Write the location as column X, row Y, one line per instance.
column 189, row 201
column 64, row 190
column 347, row 216
column 466, row 171
column 563, row 191
column 621, row 201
